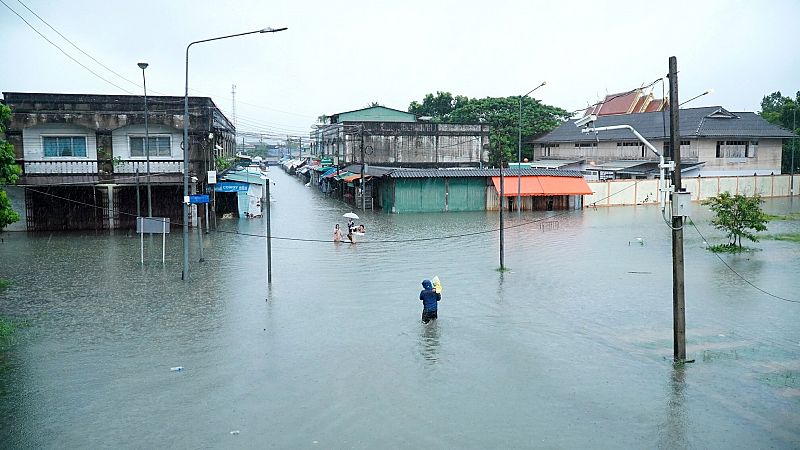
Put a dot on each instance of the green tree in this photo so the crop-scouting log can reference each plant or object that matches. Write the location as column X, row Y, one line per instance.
column 737, row 215
column 502, row 114
column 9, row 170
column 438, row 107
column 780, row 110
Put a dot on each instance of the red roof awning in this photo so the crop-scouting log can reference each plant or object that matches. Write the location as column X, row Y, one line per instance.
column 543, row 185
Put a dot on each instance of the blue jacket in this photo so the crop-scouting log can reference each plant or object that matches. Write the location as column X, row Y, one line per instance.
column 429, row 297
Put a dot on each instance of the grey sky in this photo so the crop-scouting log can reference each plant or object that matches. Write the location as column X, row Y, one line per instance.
column 339, row 56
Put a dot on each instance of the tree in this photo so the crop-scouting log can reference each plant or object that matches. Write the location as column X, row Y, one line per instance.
column 9, row 170
column 373, row 104
column 438, row 107
column 737, row 215
column 780, row 110
column 502, row 114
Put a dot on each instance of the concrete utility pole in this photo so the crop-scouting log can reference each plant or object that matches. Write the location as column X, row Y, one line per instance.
column 502, row 205
column 678, row 306
column 363, row 198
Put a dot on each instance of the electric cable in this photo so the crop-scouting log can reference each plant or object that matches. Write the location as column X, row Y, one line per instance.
column 740, row 275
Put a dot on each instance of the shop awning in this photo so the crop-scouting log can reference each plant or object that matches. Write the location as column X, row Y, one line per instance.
column 543, row 185
column 354, row 177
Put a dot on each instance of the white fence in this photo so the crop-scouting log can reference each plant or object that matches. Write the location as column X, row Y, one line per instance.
column 639, row 192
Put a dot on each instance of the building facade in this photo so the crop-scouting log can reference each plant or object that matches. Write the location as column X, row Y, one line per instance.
column 714, row 142
column 385, row 136
column 85, row 163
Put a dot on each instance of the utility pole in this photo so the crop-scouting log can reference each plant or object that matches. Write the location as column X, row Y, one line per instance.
column 502, row 204
column 233, row 107
column 794, row 138
column 363, row 198
column 678, row 305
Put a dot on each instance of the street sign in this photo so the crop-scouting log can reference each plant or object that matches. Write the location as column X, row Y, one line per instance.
column 212, row 176
column 231, row 186
column 152, row 225
column 199, row 198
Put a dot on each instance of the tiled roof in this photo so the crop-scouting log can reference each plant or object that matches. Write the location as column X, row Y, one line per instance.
column 712, row 121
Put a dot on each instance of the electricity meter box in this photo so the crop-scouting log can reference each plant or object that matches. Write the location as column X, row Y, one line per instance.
column 681, row 204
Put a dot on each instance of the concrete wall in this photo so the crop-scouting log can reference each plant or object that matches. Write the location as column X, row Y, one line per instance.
column 411, row 143
column 767, row 159
column 121, row 145
column 34, row 149
column 632, row 192
column 17, row 196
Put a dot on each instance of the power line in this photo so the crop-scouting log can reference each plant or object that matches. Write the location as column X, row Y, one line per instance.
column 740, row 275
column 398, row 241
column 62, row 51
column 78, row 48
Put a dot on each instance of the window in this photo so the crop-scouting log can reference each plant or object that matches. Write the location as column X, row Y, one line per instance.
column 159, row 146
column 64, row 146
column 586, row 144
column 732, row 149
column 751, row 151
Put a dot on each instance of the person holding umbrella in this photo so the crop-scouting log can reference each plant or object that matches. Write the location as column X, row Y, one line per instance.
column 350, row 226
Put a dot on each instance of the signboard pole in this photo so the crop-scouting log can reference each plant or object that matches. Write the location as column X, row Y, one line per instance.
column 269, row 238
column 163, row 241
column 141, row 243
column 200, row 237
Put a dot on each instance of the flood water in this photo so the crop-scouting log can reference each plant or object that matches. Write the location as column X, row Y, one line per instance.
column 570, row 348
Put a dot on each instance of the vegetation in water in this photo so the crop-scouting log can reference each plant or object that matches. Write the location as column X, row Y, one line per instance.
column 739, row 217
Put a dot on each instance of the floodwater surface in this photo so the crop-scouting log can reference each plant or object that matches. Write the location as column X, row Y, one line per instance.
column 569, row 348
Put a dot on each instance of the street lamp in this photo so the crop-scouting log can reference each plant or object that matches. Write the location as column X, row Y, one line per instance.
column 185, row 274
column 519, row 149
column 143, row 65
column 710, row 91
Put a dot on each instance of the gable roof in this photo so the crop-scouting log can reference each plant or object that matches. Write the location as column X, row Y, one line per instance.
column 711, row 122
column 335, row 117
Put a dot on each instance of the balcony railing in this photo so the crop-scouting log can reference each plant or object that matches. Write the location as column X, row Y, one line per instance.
column 156, row 166
column 85, row 166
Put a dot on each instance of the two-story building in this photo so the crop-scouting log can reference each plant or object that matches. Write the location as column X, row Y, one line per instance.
column 85, row 163
column 391, row 137
column 714, row 142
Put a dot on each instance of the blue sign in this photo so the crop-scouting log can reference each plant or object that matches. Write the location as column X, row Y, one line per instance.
column 200, row 198
column 231, row 186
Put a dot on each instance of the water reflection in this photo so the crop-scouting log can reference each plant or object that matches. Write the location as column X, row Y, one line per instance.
column 429, row 341
column 673, row 432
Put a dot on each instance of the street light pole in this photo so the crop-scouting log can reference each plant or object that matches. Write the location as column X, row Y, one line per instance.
column 143, row 65
column 519, row 149
column 185, row 274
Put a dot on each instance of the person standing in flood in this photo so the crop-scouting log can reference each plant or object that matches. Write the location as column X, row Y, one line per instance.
column 337, row 234
column 430, row 299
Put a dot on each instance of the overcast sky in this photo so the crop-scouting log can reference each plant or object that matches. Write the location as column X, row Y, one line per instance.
column 340, row 56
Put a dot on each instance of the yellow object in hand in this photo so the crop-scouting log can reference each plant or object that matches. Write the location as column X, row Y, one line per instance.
column 437, row 285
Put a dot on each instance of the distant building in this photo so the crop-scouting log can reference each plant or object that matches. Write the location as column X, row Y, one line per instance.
column 632, row 102
column 714, row 142
column 82, row 156
column 392, row 137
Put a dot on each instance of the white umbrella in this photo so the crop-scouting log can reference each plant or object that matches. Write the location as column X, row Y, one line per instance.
column 350, row 215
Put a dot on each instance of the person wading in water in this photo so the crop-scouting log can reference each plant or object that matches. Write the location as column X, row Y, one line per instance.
column 430, row 299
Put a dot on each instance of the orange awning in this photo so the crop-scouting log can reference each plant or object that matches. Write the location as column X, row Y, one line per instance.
column 350, row 178
column 543, row 185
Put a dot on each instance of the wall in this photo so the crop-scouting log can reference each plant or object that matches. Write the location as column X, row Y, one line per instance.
column 121, row 149
column 632, row 192
column 767, row 158
column 34, row 151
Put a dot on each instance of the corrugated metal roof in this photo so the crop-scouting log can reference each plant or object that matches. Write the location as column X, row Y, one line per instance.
column 712, row 121
column 465, row 173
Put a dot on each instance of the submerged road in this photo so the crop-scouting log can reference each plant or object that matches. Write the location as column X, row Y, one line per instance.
column 570, row 348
